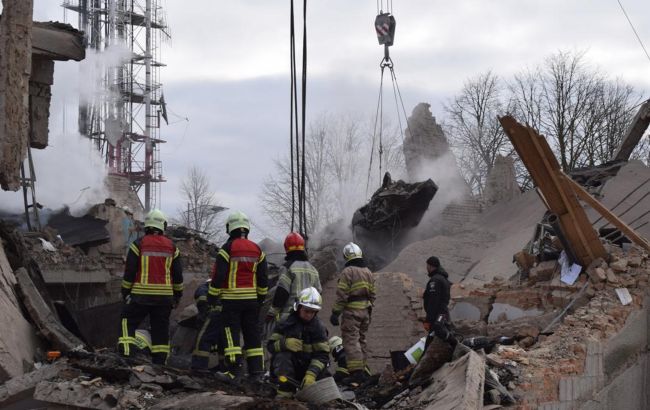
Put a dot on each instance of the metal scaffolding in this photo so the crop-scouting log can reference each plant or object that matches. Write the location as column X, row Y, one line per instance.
column 123, row 117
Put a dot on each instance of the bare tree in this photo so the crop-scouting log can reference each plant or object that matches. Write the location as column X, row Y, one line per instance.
column 475, row 132
column 580, row 111
column 202, row 209
column 337, row 158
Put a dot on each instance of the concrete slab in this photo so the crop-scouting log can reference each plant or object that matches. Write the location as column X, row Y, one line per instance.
column 70, row 276
column 46, row 321
column 457, row 385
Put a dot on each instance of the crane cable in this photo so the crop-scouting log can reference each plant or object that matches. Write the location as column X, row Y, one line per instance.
column 385, row 27
column 296, row 124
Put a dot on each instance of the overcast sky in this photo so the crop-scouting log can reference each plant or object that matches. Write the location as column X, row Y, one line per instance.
column 228, row 72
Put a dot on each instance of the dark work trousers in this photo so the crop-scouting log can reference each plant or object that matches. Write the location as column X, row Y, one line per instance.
column 210, row 334
column 132, row 315
column 290, row 369
column 242, row 316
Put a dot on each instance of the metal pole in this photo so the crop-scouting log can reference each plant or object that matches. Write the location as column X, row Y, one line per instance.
column 147, row 101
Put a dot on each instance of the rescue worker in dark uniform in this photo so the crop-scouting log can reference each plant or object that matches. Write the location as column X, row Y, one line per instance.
column 295, row 275
column 298, row 345
column 239, row 285
column 210, row 336
column 152, row 285
column 436, row 302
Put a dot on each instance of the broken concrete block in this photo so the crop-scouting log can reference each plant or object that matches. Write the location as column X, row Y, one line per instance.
column 634, row 261
column 22, row 387
column 457, row 385
column 597, row 274
column 611, row 277
column 542, row 272
column 46, row 321
column 17, row 346
column 92, row 397
column 216, row 400
column 619, row 265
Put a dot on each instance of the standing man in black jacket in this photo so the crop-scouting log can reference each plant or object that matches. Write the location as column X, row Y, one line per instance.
column 436, row 302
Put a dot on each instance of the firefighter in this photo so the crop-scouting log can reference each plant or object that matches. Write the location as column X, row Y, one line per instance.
column 355, row 296
column 338, row 354
column 436, row 302
column 152, row 285
column 295, row 275
column 298, row 345
column 239, row 286
column 210, row 336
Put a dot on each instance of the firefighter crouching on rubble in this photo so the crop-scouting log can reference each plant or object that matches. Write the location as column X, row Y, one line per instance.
column 436, row 302
column 355, row 296
column 210, row 336
column 152, row 285
column 239, row 286
column 298, row 345
column 295, row 275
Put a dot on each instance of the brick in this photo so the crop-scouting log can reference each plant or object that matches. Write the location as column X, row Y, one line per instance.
column 619, row 265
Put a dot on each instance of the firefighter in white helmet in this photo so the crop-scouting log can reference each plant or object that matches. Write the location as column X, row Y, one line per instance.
column 299, row 347
column 355, row 296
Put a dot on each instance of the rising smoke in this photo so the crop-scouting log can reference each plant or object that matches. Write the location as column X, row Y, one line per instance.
column 70, row 171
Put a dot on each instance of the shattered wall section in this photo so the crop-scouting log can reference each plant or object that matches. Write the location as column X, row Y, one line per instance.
column 501, row 183
column 40, row 94
column 15, row 68
column 424, row 142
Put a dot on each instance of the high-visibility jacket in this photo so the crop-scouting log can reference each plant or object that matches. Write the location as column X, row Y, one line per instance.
column 355, row 288
column 153, row 272
column 240, row 272
column 295, row 276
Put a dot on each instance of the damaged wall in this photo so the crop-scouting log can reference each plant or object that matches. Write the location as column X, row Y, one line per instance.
column 15, row 69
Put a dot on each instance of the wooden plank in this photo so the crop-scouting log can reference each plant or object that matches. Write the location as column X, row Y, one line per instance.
column 634, row 133
column 607, row 214
column 560, row 198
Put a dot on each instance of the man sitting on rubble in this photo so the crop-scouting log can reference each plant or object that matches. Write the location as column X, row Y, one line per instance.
column 152, row 285
column 299, row 348
column 436, row 302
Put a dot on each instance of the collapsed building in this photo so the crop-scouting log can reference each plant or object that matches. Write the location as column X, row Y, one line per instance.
column 545, row 337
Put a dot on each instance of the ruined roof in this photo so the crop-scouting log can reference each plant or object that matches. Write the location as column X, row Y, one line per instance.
column 57, row 41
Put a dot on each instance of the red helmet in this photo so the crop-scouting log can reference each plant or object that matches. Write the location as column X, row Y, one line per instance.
column 294, row 242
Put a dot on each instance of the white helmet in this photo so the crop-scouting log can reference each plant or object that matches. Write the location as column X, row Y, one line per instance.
column 309, row 298
column 352, row 251
column 334, row 342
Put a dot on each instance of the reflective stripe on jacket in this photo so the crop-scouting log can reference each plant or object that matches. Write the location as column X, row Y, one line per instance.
column 153, row 268
column 355, row 289
column 300, row 275
column 240, row 271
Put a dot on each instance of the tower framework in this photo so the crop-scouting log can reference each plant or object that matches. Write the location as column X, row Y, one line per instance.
column 123, row 116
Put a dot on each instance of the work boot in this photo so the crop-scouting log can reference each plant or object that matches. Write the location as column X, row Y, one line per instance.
column 356, row 379
column 233, row 376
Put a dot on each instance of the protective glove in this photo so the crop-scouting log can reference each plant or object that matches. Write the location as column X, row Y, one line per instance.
column 125, row 293
column 426, row 326
column 176, row 301
column 261, row 299
column 292, row 344
column 308, row 380
column 334, row 319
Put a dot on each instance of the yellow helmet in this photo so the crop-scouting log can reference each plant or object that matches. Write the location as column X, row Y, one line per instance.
column 156, row 219
column 237, row 220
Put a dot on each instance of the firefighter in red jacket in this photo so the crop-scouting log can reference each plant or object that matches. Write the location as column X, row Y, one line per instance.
column 240, row 285
column 152, row 285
